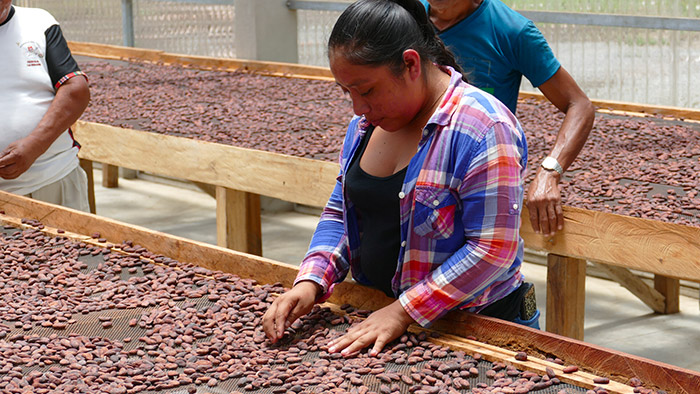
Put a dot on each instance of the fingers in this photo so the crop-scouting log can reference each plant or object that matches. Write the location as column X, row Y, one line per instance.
column 287, row 308
column 10, row 171
column 543, row 220
column 275, row 319
column 560, row 215
column 534, row 218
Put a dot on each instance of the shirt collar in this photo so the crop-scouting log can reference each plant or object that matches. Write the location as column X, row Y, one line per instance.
column 9, row 15
column 450, row 99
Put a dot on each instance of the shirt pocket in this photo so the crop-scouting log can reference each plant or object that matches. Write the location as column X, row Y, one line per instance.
column 435, row 211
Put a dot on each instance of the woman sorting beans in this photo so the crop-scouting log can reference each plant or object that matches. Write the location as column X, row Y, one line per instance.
column 427, row 204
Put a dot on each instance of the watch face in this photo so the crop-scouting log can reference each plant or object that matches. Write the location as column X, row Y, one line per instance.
column 551, row 164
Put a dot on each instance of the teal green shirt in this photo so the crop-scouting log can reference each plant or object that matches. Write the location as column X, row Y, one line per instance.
column 496, row 46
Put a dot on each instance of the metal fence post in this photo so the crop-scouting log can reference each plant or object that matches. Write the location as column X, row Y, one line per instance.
column 128, row 22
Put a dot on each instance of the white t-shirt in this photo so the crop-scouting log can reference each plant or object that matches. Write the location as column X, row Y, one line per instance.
column 35, row 60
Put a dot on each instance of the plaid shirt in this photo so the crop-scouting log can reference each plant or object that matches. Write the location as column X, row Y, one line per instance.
column 459, row 207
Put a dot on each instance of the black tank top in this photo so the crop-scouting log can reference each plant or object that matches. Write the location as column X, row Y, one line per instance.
column 376, row 201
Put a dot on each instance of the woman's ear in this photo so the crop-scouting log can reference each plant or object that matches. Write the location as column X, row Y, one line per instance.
column 411, row 59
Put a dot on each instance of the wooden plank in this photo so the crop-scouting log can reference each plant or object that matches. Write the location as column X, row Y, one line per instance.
column 596, row 236
column 182, row 249
column 496, row 332
column 495, row 353
column 238, row 220
column 86, row 165
column 634, row 109
column 114, row 52
column 110, row 176
column 591, row 358
column 651, row 297
column 566, row 295
column 670, row 289
column 658, row 247
column 288, row 178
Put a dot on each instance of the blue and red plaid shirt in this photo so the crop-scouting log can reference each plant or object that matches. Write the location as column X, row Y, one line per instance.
column 460, row 211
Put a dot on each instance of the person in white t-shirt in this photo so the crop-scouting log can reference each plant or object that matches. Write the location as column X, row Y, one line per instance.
column 43, row 94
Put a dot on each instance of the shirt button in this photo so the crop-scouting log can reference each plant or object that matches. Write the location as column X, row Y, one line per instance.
column 436, row 202
column 515, row 206
column 403, row 244
column 425, row 132
column 402, row 194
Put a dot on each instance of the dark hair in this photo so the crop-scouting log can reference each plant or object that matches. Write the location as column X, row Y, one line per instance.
column 377, row 32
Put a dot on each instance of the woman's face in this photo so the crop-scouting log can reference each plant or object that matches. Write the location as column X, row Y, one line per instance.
column 385, row 99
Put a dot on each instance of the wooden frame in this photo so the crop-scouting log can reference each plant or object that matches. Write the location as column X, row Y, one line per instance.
column 593, row 359
column 588, row 235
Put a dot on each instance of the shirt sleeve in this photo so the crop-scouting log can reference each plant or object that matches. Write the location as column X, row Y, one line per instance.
column 59, row 60
column 536, row 61
column 490, row 188
column 327, row 260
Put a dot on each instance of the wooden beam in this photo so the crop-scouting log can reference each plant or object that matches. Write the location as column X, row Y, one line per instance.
column 288, row 178
column 648, row 295
column 566, row 295
column 670, row 289
column 658, row 247
column 86, row 165
column 110, row 176
column 496, row 354
column 280, row 69
column 206, row 188
column 496, row 332
column 589, row 357
column 238, row 220
column 634, row 109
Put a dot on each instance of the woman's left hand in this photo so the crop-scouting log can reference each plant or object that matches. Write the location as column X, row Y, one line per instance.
column 380, row 328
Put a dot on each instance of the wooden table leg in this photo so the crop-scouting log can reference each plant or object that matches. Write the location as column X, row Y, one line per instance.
column 110, row 176
column 671, row 289
column 238, row 220
column 566, row 295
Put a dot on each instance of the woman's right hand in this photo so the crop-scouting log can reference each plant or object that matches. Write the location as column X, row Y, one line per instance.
column 288, row 307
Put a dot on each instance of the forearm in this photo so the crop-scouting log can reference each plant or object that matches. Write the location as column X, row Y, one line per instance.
column 573, row 132
column 69, row 103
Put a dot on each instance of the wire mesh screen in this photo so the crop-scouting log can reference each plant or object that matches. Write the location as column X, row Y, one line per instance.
column 195, row 29
column 314, row 29
column 177, row 27
column 668, row 8
column 656, row 67
column 84, row 20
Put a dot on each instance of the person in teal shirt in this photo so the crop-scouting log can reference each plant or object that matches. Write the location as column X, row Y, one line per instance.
column 496, row 46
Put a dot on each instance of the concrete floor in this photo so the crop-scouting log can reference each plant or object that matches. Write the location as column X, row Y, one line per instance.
column 614, row 317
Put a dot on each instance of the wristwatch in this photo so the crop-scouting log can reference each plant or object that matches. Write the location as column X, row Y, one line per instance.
column 551, row 164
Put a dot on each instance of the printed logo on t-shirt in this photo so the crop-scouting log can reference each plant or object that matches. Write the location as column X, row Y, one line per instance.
column 33, row 52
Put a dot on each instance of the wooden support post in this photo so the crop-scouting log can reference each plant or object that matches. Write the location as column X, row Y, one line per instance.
column 238, row 220
column 110, row 176
column 671, row 289
column 566, row 295
column 653, row 298
column 86, row 165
